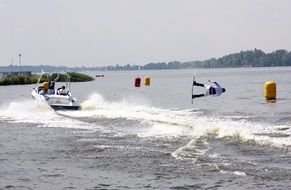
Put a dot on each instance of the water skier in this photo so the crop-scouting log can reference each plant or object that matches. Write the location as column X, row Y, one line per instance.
column 211, row 90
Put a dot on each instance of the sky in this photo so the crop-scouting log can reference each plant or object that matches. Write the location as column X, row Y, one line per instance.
column 136, row 32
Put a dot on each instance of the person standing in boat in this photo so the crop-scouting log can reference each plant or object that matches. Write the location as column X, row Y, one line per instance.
column 51, row 87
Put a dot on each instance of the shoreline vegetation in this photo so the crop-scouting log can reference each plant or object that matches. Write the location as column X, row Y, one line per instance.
column 249, row 58
column 32, row 79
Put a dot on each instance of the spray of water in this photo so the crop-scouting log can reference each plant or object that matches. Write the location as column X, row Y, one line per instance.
column 184, row 122
column 38, row 114
column 159, row 122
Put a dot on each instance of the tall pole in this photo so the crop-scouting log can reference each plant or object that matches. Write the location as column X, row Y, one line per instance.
column 20, row 64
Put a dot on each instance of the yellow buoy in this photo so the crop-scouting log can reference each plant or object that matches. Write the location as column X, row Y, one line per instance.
column 147, row 81
column 270, row 90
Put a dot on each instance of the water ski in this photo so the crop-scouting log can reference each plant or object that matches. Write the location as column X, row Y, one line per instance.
column 192, row 89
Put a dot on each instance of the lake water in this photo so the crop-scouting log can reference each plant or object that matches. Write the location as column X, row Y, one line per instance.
column 151, row 137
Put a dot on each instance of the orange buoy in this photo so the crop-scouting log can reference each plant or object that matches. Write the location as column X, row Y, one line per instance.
column 137, row 82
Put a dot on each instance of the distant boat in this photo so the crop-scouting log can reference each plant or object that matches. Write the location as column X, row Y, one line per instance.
column 99, row 75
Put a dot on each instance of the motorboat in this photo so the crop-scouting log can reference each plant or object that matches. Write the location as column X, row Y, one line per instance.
column 60, row 99
column 99, row 75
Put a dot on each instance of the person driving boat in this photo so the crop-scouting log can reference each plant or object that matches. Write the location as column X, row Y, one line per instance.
column 62, row 91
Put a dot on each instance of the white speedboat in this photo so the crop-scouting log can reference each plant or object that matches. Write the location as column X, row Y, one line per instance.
column 60, row 99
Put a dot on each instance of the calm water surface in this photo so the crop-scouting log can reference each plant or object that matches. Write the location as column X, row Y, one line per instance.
column 151, row 137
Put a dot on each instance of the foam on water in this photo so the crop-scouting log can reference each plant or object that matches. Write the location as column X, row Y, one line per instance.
column 238, row 173
column 165, row 122
column 30, row 111
column 159, row 122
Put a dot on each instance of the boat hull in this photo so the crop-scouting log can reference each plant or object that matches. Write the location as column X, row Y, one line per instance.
column 65, row 107
column 57, row 102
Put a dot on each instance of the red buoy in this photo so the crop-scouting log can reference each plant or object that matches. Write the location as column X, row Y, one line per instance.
column 137, row 82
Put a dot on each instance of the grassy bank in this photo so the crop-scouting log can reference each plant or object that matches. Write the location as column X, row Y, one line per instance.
column 20, row 80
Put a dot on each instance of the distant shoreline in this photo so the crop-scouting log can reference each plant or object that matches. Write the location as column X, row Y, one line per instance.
column 249, row 58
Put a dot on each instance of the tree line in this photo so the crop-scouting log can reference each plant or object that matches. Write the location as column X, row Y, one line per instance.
column 32, row 79
column 249, row 58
